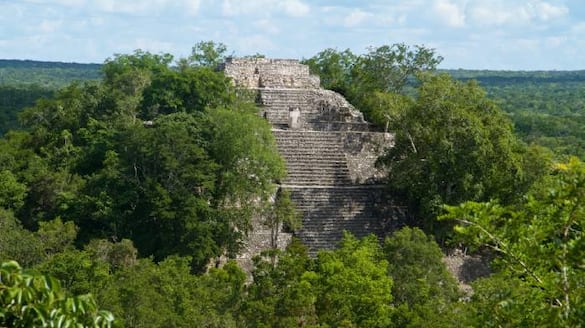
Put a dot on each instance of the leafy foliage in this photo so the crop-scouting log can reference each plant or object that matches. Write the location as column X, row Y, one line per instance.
column 208, row 54
column 348, row 287
column 540, row 244
column 46, row 75
column 545, row 106
column 381, row 69
column 180, row 299
column 423, row 290
column 355, row 289
column 452, row 144
column 160, row 156
column 17, row 243
column 32, row 300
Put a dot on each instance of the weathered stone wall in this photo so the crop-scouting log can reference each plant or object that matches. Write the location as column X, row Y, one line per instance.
column 260, row 239
column 269, row 73
column 362, row 149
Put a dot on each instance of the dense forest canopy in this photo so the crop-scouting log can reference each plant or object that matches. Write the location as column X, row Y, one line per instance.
column 547, row 107
column 126, row 186
column 23, row 82
column 46, row 74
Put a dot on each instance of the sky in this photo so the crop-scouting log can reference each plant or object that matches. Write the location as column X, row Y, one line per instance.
column 470, row 34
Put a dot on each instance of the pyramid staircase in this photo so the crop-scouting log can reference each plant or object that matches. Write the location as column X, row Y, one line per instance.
column 319, row 178
column 322, row 183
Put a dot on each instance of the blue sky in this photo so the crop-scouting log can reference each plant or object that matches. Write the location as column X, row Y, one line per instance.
column 474, row 34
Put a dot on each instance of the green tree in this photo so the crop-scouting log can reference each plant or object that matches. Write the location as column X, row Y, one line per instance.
column 282, row 293
column 32, row 300
column 388, row 68
column 180, row 298
column 12, row 192
column 424, row 292
column 540, row 245
column 346, row 287
column 281, row 215
column 208, row 54
column 161, row 156
column 452, row 144
column 17, row 243
column 242, row 144
column 56, row 235
column 334, row 69
column 354, row 288
column 118, row 255
column 189, row 90
column 77, row 272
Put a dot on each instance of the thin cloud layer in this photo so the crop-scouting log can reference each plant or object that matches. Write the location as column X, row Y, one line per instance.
column 496, row 34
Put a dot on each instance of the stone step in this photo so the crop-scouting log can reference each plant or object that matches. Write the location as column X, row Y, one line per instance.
column 309, row 141
column 273, row 115
column 326, row 144
column 310, row 158
column 327, row 212
column 300, row 134
column 339, row 200
column 316, row 169
column 300, row 146
column 324, row 180
column 314, row 159
column 318, row 181
column 317, row 174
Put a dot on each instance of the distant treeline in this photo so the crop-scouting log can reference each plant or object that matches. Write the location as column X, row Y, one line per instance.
column 499, row 78
column 23, row 82
column 46, row 74
column 547, row 107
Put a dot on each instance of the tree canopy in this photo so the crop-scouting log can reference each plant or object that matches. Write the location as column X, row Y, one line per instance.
column 33, row 300
column 124, row 188
column 151, row 153
column 539, row 246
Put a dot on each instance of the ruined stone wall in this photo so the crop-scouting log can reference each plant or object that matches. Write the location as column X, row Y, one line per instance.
column 362, row 149
column 269, row 73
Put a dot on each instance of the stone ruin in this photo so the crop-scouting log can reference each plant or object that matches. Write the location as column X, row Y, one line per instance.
column 330, row 152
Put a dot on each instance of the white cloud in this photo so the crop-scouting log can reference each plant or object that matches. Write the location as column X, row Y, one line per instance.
column 482, row 13
column 50, row 26
column 258, row 43
column 449, row 13
column 10, row 11
column 498, row 13
column 267, row 26
column 555, row 41
column 155, row 46
column 57, row 2
column 356, row 17
column 546, row 11
column 143, row 7
column 97, row 21
column 578, row 29
column 192, row 6
column 295, row 8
